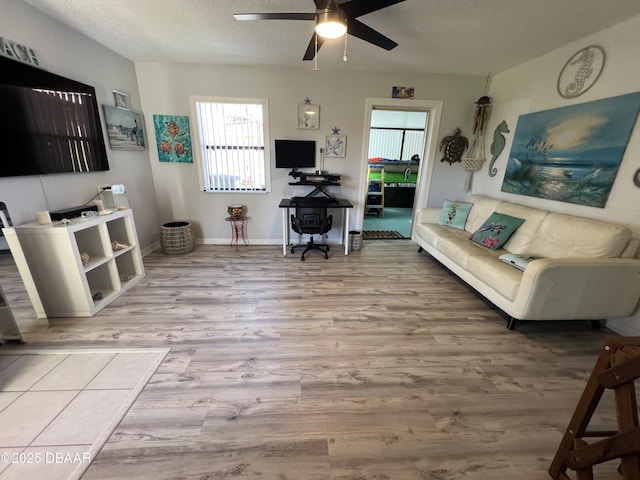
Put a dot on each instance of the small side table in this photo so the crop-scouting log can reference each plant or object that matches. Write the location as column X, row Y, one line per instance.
column 237, row 230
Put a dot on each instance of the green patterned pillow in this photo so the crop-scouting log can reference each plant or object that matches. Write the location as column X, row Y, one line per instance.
column 454, row 214
column 496, row 230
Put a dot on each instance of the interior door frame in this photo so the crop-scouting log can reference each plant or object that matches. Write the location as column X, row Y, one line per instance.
column 425, row 168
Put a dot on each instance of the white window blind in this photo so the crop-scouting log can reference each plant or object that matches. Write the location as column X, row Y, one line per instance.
column 395, row 144
column 232, row 137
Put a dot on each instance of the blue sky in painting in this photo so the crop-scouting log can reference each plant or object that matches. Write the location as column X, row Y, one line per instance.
column 601, row 128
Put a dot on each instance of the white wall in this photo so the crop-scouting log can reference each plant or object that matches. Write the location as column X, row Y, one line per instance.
column 531, row 87
column 65, row 52
column 165, row 89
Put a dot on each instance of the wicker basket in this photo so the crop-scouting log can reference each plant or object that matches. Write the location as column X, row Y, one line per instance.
column 355, row 240
column 176, row 238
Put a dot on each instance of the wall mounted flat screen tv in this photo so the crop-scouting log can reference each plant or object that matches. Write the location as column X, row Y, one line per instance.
column 49, row 124
column 295, row 154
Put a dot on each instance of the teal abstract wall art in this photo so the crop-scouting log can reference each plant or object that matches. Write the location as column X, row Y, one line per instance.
column 173, row 138
column 571, row 154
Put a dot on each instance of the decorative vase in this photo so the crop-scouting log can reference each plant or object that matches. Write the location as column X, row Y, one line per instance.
column 235, row 211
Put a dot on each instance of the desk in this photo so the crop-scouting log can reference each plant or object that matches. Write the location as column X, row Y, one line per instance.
column 286, row 204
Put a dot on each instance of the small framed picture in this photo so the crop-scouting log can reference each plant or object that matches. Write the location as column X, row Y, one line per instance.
column 336, row 146
column 309, row 116
column 402, row 92
column 121, row 99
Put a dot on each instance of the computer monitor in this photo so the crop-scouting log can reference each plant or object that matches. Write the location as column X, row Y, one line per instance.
column 295, row 154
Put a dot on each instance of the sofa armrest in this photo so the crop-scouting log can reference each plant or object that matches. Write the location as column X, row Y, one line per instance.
column 428, row 215
column 579, row 288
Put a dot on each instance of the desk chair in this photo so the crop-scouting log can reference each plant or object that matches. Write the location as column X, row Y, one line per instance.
column 311, row 218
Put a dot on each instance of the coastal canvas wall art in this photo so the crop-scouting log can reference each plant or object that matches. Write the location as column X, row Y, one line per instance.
column 173, row 138
column 571, row 154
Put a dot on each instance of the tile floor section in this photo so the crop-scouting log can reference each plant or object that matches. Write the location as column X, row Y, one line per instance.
column 398, row 219
column 58, row 408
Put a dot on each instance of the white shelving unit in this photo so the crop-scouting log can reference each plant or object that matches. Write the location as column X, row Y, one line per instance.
column 50, row 255
column 8, row 328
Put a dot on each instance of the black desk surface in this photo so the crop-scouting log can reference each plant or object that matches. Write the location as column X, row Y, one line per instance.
column 339, row 203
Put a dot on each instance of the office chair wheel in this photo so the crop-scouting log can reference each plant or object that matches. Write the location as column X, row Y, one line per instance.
column 292, row 250
column 326, row 257
column 302, row 259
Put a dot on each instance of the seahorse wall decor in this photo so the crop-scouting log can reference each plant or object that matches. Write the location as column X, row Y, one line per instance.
column 584, row 71
column 497, row 145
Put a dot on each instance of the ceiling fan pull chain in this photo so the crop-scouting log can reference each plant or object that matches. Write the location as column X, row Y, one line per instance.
column 344, row 58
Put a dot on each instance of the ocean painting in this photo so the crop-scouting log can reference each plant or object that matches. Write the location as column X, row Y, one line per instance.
column 571, row 154
column 124, row 129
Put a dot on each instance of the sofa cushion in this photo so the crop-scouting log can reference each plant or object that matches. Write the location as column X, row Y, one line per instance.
column 454, row 214
column 520, row 241
column 503, row 278
column 432, row 233
column 496, row 230
column 459, row 249
column 566, row 236
column 482, row 208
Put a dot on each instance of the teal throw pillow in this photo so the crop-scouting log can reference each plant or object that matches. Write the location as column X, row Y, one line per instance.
column 496, row 230
column 454, row 214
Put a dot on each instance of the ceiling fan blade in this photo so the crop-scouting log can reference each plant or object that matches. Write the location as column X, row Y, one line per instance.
column 357, row 8
column 311, row 48
column 274, row 16
column 368, row 34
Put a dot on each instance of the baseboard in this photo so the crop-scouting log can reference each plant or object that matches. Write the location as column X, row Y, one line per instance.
column 147, row 250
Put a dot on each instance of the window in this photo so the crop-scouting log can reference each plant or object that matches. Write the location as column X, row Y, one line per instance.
column 395, row 144
column 232, row 134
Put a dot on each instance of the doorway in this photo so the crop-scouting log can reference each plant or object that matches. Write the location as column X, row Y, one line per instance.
column 397, row 164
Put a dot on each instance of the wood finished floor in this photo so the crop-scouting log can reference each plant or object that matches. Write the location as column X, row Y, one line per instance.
column 377, row 365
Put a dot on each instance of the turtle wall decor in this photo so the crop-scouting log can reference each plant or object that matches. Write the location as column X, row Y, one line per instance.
column 454, row 146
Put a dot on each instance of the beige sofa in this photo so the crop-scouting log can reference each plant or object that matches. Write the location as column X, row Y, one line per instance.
column 588, row 269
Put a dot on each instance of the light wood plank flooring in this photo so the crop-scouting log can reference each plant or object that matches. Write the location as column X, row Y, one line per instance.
column 376, row 365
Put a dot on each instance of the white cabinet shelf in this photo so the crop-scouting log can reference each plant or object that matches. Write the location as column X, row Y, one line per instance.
column 52, row 256
column 8, row 327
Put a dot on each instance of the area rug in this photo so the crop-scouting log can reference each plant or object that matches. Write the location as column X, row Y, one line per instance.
column 59, row 407
column 381, row 235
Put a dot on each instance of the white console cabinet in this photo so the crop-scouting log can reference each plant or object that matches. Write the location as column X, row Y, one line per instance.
column 49, row 260
column 8, row 327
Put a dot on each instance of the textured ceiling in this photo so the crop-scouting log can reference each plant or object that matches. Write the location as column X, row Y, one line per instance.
column 470, row 37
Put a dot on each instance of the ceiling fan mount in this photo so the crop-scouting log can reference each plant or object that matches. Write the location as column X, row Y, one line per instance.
column 333, row 20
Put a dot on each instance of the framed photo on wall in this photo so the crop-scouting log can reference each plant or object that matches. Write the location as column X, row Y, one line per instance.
column 124, row 129
column 121, row 99
column 308, row 116
column 336, row 146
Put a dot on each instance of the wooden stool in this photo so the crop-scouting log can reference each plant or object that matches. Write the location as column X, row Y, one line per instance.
column 617, row 367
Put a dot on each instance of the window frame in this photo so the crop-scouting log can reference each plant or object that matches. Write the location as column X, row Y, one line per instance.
column 193, row 100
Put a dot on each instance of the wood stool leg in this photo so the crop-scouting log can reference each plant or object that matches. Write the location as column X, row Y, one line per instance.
column 627, row 417
column 585, row 408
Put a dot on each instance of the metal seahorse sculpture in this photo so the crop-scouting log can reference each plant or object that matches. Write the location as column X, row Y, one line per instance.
column 497, row 146
column 582, row 74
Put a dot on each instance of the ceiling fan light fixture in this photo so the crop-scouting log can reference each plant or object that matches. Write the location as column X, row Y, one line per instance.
column 331, row 24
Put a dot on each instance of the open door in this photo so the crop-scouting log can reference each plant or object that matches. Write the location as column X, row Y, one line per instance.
column 397, row 165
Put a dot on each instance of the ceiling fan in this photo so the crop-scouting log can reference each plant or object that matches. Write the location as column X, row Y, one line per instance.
column 334, row 19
